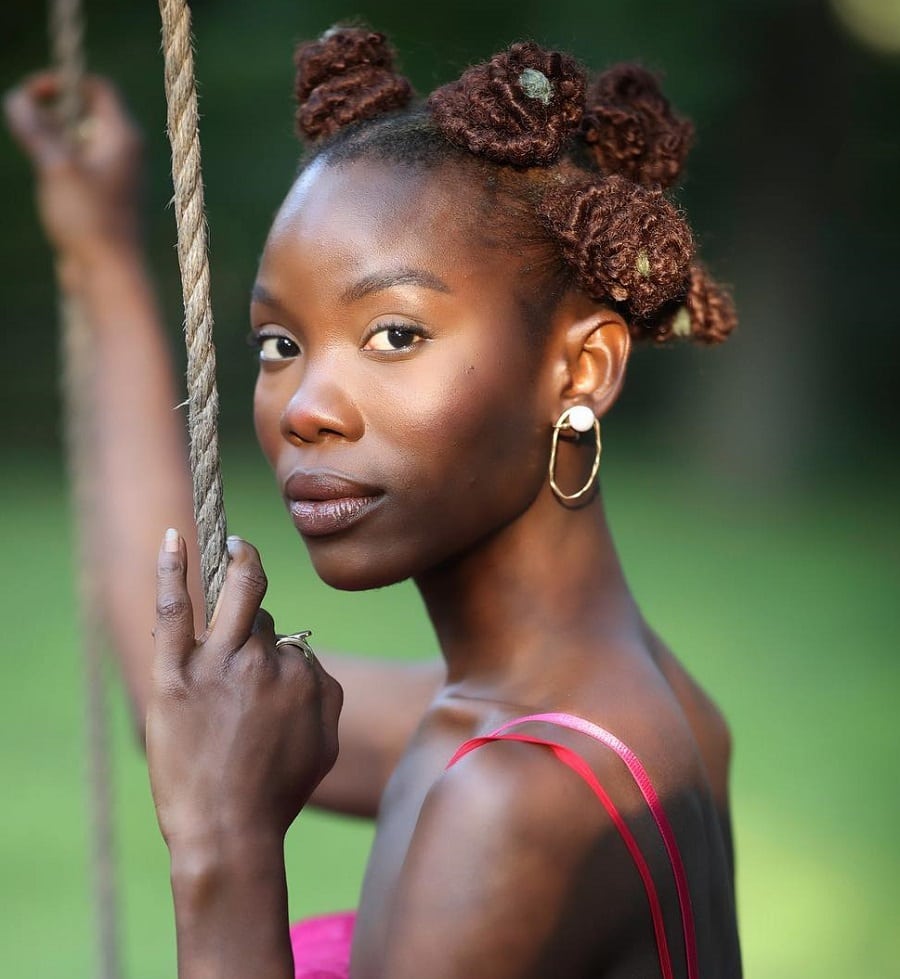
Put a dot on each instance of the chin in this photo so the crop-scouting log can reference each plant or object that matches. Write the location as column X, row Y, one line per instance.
column 352, row 568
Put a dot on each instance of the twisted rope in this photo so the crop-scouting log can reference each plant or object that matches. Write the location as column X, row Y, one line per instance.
column 67, row 48
column 203, row 399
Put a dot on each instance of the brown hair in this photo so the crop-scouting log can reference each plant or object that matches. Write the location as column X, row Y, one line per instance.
column 577, row 172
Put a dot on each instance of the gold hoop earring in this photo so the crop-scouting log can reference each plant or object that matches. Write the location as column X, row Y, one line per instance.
column 579, row 419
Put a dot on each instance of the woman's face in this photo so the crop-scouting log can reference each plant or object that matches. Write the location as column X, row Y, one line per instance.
column 400, row 401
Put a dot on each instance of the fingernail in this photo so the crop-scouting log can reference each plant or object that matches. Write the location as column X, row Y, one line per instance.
column 171, row 541
column 231, row 543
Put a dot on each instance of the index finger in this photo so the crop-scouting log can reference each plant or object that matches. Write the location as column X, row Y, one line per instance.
column 174, row 631
column 242, row 594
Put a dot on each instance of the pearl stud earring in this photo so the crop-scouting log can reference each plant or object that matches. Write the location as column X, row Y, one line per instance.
column 581, row 418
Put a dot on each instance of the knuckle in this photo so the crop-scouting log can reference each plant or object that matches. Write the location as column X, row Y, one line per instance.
column 252, row 661
column 259, row 647
column 252, row 580
column 263, row 622
column 170, row 684
column 333, row 689
column 171, row 608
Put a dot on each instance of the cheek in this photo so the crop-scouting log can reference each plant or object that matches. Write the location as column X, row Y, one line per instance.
column 479, row 432
column 266, row 421
column 499, row 446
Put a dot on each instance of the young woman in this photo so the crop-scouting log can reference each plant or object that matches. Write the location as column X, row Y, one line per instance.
column 444, row 310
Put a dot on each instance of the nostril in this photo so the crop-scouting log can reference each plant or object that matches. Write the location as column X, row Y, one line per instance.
column 308, row 427
column 297, row 437
column 308, row 436
column 321, row 409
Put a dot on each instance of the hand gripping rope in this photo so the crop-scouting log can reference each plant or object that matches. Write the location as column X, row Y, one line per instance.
column 66, row 34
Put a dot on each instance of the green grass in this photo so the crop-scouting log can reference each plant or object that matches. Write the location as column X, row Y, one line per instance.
column 785, row 608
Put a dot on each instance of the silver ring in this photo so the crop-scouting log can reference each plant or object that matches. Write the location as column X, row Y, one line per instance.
column 298, row 639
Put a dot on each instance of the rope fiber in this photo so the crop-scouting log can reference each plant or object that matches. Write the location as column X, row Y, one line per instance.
column 190, row 216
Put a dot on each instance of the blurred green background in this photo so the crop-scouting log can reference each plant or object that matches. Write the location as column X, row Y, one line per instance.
column 753, row 489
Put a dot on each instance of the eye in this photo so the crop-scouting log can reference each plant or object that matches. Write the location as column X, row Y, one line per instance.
column 273, row 347
column 395, row 336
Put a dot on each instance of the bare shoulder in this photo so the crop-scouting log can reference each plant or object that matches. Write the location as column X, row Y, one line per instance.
column 524, row 855
column 706, row 720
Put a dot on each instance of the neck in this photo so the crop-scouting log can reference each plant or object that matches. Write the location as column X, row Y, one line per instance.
column 547, row 588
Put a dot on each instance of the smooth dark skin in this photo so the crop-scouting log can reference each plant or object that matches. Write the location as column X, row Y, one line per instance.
column 506, row 866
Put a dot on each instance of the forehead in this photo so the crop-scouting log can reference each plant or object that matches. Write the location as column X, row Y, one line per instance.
column 350, row 219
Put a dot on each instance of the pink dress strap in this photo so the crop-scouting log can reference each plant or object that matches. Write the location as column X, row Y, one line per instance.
column 637, row 771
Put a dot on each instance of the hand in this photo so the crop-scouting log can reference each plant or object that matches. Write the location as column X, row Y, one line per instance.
column 239, row 733
column 87, row 185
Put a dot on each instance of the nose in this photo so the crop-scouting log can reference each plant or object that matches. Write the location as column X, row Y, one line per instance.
column 319, row 409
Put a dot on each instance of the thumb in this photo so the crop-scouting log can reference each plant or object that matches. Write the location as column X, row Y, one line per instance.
column 174, row 631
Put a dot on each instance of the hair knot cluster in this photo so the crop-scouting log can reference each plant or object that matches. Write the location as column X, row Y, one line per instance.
column 584, row 168
column 626, row 242
column 518, row 108
column 630, row 127
column 345, row 77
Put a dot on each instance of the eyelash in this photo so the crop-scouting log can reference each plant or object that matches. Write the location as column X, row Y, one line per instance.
column 256, row 340
column 412, row 328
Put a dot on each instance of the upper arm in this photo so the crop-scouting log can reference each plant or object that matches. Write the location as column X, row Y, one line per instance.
column 504, row 854
column 384, row 701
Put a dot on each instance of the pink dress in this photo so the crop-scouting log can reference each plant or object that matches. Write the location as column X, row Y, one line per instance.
column 322, row 945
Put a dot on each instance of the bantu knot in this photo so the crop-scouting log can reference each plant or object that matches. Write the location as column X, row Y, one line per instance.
column 631, row 129
column 705, row 314
column 627, row 243
column 518, row 108
column 344, row 77
column 710, row 308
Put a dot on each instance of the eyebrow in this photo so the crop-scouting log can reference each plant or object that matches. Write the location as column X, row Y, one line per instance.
column 376, row 282
column 260, row 294
column 395, row 277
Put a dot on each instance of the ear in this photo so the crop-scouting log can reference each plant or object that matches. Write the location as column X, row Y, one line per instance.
column 596, row 346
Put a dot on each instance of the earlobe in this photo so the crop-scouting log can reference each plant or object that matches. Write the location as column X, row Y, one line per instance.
column 598, row 346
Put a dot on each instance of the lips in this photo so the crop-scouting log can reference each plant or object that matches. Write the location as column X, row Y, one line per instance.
column 323, row 503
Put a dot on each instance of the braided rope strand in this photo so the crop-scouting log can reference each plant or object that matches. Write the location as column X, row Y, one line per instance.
column 67, row 50
column 76, row 353
column 203, row 399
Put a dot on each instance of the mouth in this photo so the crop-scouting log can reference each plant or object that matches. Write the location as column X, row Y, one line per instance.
column 324, row 503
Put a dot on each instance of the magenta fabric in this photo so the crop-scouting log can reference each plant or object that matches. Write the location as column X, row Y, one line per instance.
column 321, row 946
